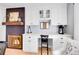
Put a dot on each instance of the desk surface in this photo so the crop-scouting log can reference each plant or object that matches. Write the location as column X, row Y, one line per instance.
column 48, row 38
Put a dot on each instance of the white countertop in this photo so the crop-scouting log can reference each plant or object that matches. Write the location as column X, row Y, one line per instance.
column 50, row 35
column 45, row 34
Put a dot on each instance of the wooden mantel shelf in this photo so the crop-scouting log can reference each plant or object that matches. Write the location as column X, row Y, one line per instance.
column 12, row 23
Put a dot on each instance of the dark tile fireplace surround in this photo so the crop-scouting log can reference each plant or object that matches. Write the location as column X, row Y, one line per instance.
column 15, row 29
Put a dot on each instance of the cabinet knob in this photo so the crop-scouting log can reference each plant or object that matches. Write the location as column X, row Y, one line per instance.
column 61, row 42
column 29, row 37
column 61, row 38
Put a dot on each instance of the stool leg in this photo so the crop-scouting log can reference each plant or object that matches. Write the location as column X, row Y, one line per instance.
column 41, row 47
column 41, row 50
column 47, row 49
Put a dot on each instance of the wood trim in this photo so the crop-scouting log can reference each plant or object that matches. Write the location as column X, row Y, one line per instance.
column 12, row 23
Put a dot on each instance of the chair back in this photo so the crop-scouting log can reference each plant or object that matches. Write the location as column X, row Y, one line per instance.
column 44, row 38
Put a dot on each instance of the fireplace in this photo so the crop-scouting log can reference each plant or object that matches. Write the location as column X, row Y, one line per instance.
column 15, row 26
column 15, row 41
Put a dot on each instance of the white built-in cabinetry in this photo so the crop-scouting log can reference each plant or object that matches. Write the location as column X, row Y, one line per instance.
column 30, row 43
column 58, row 13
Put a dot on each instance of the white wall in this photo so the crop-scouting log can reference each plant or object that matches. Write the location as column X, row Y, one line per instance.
column 2, row 27
column 36, row 30
column 70, row 19
column 76, row 21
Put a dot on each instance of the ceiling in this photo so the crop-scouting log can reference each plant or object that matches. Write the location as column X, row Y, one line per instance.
column 13, row 4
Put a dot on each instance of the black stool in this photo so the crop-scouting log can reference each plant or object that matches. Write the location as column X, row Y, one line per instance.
column 44, row 41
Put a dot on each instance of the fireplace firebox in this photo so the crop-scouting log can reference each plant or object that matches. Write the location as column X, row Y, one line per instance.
column 15, row 41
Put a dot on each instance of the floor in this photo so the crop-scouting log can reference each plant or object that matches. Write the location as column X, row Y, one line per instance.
column 10, row 51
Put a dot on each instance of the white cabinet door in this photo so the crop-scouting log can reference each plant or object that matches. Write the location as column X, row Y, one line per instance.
column 59, row 15
column 63, row 15
column 30, row 44
column 32, row 15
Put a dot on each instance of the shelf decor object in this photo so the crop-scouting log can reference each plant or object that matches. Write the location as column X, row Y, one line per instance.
column 44, row 25
column 14, row 19
column 13, row 16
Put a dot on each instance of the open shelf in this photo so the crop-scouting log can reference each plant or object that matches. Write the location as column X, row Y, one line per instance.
column 12, row 23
